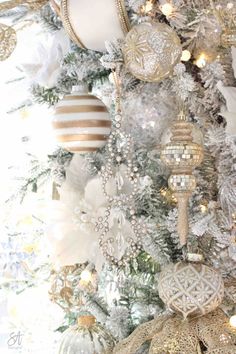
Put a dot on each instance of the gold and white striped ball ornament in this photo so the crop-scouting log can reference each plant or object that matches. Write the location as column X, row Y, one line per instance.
column 81, row 121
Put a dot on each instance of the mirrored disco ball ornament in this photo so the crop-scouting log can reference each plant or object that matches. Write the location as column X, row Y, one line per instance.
column 191, row 288
column 87, row 337
column 182, row 154
column 81, row 121
column 151, row 50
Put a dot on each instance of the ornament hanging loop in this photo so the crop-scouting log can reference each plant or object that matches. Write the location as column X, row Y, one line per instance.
column 117, row 81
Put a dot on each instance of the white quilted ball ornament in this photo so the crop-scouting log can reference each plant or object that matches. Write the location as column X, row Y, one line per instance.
column 191, row 288
column 151, row 51
column 81, row 121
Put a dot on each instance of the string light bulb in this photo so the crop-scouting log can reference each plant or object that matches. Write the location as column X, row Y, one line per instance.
column 186, row 55
column 167, row 9
column 86, row 276
column 203, row 208
column 232, row 321
column 201, row 61
column 148, row 6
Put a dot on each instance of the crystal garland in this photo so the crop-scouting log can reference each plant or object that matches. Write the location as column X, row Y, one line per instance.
column 118, row 248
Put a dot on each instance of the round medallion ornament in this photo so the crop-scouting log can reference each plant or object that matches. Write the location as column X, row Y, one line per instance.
column 151, row 50
column 81, row 121
column 8, row 41
column 191, row 289
column 89, row 23
column 86, row 337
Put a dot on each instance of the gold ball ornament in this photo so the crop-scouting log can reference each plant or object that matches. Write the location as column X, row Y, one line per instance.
column 191, row 289
column 86, row 337
column 8, row 41
column 151, row 50
column 81, row 121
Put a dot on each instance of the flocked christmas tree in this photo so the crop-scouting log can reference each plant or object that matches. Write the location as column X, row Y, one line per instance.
column 137, row 247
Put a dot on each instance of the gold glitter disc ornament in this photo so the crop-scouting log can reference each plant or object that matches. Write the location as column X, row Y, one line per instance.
column 81, row 121
column 8, row 41
column 191, row 288
column 87, row 337
column 151, row 51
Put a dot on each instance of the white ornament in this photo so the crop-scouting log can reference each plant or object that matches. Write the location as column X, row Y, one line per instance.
column 192, row 289
column 229, row 93
column 72, row 219
column 151, row 50
column 90, row 23
column 44, row 66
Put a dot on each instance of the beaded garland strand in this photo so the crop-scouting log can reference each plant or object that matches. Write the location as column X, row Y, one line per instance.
column 119, row 151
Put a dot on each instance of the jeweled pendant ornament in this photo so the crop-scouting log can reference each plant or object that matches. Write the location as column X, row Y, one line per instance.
column 182, row 154
column 151, row 50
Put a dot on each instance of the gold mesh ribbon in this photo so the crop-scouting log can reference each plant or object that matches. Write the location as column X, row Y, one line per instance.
column 172, row 335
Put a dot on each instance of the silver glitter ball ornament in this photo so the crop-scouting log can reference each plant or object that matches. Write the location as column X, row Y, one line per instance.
column 151, row 50
column 87, row 337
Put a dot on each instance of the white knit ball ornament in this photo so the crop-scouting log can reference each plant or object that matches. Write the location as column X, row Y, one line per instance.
column 191, row 289
column 151, row 50
column 81, row 121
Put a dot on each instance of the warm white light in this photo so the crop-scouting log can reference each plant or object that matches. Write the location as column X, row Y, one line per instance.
column 232, row 321
column 86, row 276
column 148, row 6
column 111, row 78
column 230, row 5
column 167, row 9
column 201, row 61
column 203, row 208
column 186, row 55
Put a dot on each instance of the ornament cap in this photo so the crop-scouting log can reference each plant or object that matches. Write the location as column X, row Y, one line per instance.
column 182, row 116
column 82, row 87
column 194, row 257
column 86, row 321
